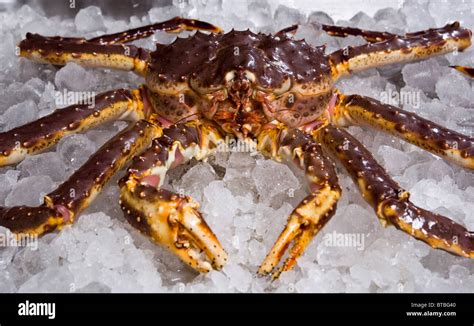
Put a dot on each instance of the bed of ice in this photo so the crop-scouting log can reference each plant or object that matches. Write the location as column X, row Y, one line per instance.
column 245, row 198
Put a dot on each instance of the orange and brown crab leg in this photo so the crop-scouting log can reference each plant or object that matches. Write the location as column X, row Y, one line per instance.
column 40, row 134
column 391, row 202
column 343, row 31
column 370, row 36
column 61, row 50
column 361, row 110
column 468, row 71
column 411, row 47
column 174, row 25
column 173, row 219
column 316, row 209
column 61, row 206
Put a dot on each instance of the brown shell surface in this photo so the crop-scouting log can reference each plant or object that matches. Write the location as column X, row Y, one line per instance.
column 208, row 57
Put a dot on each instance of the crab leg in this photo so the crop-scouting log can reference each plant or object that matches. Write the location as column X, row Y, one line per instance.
column 468, row 71
column 174, row 25
column 370, row 36
column 61, row 206
column 38, row 135
column 343, row 31
column 172, row 219
column 61, row 50
column 316, row 209
column 390, row 201
column 360, row 110
column 411, row 47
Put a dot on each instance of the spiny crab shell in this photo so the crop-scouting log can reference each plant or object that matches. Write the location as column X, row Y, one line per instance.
column 197, row 74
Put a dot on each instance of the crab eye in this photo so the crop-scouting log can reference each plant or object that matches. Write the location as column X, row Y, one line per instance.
column 285, row 87
column 199, row 88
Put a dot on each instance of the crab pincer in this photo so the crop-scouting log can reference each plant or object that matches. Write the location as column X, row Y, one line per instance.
column 174, row 222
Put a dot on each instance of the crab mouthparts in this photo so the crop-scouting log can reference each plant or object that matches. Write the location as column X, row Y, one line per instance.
column 242, row 130
column 239, row 86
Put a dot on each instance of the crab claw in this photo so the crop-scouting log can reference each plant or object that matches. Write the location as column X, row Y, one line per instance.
column 303, row 225
column 174, row 222
column 296, row 230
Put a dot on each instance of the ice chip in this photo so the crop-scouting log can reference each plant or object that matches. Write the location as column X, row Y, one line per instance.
column 75, row 150
column 75, row 78
column 18, row 115
column 89, row 19
column 273, row 178
column 30, row 191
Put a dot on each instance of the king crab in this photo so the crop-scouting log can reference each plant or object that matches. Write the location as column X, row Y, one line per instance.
column 270, row 89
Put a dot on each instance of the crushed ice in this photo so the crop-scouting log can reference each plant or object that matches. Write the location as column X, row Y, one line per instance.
column 245, row 199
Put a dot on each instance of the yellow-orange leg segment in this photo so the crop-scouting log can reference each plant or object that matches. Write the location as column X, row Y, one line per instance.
column 316, row 209
column 61, row 206
column 391, row 202
column 361, row 110
column 410, row 47
column 168, row 218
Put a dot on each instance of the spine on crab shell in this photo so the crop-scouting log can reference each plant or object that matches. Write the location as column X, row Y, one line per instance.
column 171, row 219
column 61, row 50
column 361, row 110
column 310, row 216
column 390, row 201
column 43, row 133
column 410, row 47
column 63, row 204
